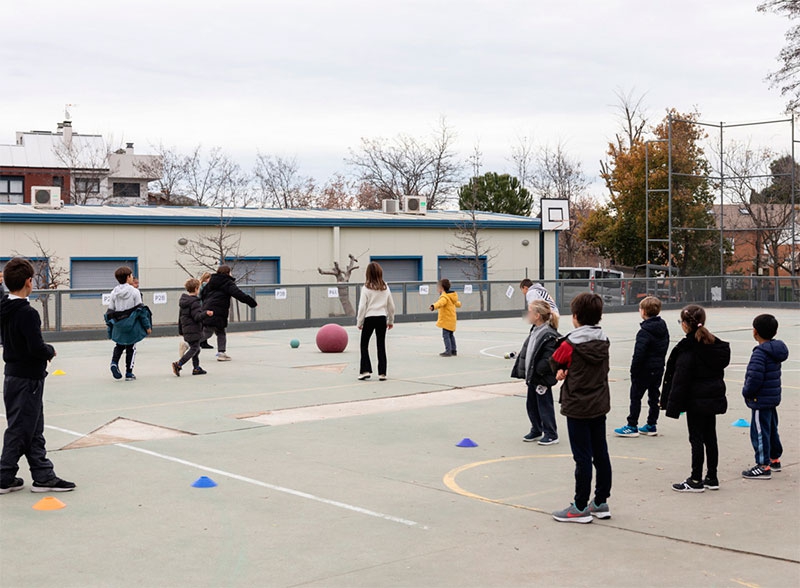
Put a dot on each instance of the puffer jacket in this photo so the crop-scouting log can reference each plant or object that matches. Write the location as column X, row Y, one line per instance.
column 446, row 305
column 190, row 318
column 762, row 381
column 538, row 370
column 650, row 350
column 584, row 353
column 216, row 296
column 130, row 326
column 695, row 377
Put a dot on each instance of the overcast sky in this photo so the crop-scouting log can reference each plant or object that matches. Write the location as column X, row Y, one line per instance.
column 310, row 77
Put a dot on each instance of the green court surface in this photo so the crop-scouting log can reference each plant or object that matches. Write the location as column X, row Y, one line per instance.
column 326, row 481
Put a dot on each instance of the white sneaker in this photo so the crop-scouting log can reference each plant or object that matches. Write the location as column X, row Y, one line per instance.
column 364, row 376
column 222, row 356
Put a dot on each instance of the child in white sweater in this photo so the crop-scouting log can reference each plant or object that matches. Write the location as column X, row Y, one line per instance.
column 375, row 314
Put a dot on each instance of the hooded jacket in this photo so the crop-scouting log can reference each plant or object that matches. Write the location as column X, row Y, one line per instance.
column 584, row 354
column 650, row 350
column 762, row 381
column 446, row 305
column 533, row 360
column 190, row 318
column 216, row 296
column 694, row 378
column 124, row 297
column 24, row 351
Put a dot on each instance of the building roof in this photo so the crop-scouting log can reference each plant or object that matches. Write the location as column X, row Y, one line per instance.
column 755, row 216
column 254, row 217
column 40, row 149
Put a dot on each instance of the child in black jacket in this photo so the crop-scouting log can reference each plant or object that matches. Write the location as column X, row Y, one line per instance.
column 26, row 355
column 190, row 325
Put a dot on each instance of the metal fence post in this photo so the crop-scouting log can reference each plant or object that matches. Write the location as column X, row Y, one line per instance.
column 58, row 310
column 405, row 298
column 488, row 295
column 308, row 302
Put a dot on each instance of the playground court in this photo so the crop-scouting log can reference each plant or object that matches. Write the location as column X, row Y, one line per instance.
column 326, row 481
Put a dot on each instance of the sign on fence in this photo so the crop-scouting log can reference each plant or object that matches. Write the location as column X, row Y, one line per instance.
column 159, row 297
column 106, row 299
column 510, row 292
column 423, row 290
column 467, row 288
column 281, row 294
column 333, row 292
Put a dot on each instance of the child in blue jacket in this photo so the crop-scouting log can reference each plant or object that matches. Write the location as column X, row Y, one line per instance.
column 762, row 394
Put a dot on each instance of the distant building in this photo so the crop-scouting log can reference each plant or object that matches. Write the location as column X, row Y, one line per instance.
column 80, row 165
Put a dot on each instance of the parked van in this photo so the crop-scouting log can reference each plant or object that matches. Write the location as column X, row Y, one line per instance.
column 609, row 284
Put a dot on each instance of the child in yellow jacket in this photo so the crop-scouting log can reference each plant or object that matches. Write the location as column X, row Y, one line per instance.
column 446, row 305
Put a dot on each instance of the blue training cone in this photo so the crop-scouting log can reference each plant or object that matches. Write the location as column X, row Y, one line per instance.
column 740, row 423
column 204, row 482
column 466, row 442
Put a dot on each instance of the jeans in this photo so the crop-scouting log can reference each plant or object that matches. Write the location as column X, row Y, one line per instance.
column 703, row 439
column 25, row 430
column 377, row 325
column 192, row 353
column 639, row 385
column 764, row 435
column 130, row 356
column 541, row 411
column 449, row 341
column 222, row 338
column 587, row 437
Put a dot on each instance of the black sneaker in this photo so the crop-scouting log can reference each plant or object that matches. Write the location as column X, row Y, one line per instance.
column 115, row 372
column 54, row 484
column 548, row 441
column 758, row 472
column 531, row 437
column 445, row 354
column 129, row 377
column 14, row 486
column 176, row 368
column 775, row 465
column 198, row 371
column 455, row 353
column 711, row 483
column 689, row 485
column 205, row 345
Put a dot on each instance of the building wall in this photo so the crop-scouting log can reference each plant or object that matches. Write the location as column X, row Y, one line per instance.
column 40, row 177
column 301, row 249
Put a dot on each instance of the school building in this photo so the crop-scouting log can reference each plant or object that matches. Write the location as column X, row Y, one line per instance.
column 268, row 246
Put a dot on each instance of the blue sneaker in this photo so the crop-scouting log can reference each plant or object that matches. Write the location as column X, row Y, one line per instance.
column 115, row 372
column 627, row 431
column 572, row 515
column 600, row 511
column 649, row 430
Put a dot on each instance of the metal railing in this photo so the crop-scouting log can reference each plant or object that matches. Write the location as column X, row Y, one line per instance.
column 280, row 305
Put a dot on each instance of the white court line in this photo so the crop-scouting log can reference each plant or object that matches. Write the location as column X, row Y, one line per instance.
column 255, row 482
column 485, row 351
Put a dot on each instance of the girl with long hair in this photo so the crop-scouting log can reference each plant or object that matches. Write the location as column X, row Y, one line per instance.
column 375, row 315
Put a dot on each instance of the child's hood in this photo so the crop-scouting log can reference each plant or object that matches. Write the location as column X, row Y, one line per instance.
column 452, row 296
column 187, row 300
column 124, row 292
column 776, row 349
column 655, row 326
column 9, row 307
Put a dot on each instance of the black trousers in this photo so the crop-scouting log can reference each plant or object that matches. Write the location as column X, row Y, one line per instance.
column 640, row 384
column 703, row 439
column 587, row 438
column 222, row 337
column 541, row 411
column 192, row 353
column 130, row 356
column 25, row 431
column 377, row 325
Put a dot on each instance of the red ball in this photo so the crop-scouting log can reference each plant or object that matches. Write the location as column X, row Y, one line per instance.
column 332, row 338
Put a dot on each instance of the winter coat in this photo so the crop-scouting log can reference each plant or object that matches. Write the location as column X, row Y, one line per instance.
column 216, row 296
column 24, row 351
column 190, row 318
column 446, row 305
column 762, row 381
column 127, row 327
column 650, row 350
column 584, row 353
column 538, row 370
column 694, row 378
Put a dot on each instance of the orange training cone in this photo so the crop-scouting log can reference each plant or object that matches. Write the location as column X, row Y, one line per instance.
column 49, row 503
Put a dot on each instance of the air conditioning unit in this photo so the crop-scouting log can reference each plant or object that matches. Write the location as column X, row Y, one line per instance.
column 415, row 205
column 46, row 197
column 391, row 206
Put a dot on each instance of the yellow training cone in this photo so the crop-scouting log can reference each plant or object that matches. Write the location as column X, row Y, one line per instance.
column 59, row 373
column 49, row 503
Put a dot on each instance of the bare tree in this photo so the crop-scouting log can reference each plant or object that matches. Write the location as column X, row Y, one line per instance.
column 409, row 165
column 337, row 194
column 342, row 279
column 632, row 115
column 87, row 158
column 522, row 157
column 207, row 251
column 281, row 184
column 49, row 275
column 169, row 167
column 787, row 78
column 215, row 179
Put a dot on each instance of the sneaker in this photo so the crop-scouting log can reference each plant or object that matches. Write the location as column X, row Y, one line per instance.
column 600, row 511
column 649, row 430
column 129, row 377
column 532, row 436
column 54, row 484
column 626, row 431
column 222, row 356
column 205, row 345
column 689, row 485
column 14, row 486
column 775, row 465
column 572, row 515
column 446, row 354
column 758, row 472
column 115, row 372
column 548, row 441
column 176, row 368
column 183, row 347
column 711, row 483
column 382, row 377
column 455, row 353
column 364, row 376
column 198, row 371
